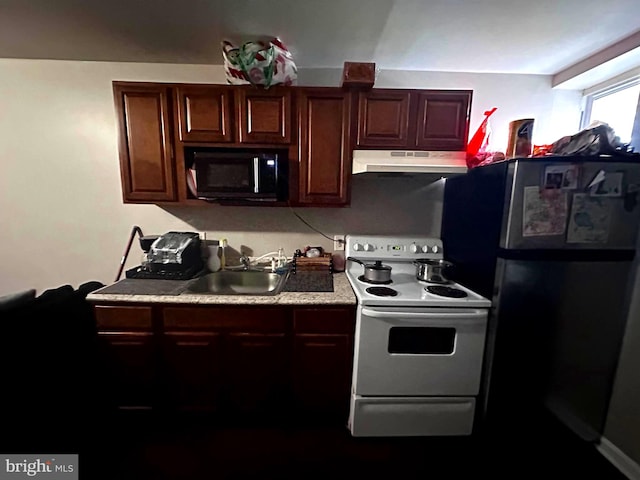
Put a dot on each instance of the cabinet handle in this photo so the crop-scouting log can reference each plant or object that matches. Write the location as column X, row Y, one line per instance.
column 256, row 175
column 197, row 344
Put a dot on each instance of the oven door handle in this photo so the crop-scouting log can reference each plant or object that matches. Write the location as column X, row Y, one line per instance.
column 473, row 314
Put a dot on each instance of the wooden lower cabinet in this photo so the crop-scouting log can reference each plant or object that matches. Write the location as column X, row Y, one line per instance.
column 256, row 372
column 193, row 367
column 129, row 360
column 241, row 361
column 322, row 372
column 130, row 368
column 322, row 359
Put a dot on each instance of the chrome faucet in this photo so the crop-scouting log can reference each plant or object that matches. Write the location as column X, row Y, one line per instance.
column 245, row 261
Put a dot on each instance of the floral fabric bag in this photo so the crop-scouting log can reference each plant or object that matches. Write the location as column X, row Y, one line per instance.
column 261, row 62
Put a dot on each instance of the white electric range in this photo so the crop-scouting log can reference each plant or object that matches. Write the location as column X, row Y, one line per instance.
column 419, row 346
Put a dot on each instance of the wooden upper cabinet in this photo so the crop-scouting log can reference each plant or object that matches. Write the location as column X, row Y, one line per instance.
column 324, row 122
column 231, row 114
column 414, row 119
column 264, row 116
column 443, row 120
column 205, row 113
column 383, row 118
column 146, row 151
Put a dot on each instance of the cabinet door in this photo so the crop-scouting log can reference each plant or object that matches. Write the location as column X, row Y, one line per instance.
column 322, row 372
column 256, row 371
column 383, row 119
column 146, row 153
column 325, row 146
column 323, row 359
column 264, row 115
column 193, row 363
column 205, row 114
column 129, row 365
column 443, row 120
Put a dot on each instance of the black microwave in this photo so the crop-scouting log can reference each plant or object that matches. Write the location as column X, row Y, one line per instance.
column 240, row 175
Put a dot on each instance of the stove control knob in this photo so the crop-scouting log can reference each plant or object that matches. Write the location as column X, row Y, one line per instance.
column 357, row 247
column 435, row 249
column 368, row 247
column 425, row 249
column 414, row 248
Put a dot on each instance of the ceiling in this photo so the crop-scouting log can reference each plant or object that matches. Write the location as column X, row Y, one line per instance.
column 506, row 36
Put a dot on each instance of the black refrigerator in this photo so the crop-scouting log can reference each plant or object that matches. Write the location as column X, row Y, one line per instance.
column 551, row 241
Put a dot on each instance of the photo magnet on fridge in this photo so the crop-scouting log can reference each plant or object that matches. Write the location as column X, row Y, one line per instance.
column 561, row 177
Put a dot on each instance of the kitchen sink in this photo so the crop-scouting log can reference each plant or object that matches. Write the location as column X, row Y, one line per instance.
column 241, row 282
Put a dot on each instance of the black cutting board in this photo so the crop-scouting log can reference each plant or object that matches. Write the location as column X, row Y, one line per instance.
column 309, row 282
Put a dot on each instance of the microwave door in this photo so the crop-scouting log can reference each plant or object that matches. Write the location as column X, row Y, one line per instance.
column 236, row 176
column 225, row 178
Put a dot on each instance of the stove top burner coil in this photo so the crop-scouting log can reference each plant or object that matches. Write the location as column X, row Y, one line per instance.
column 374, row 282
column 446, row 291
column 382, row 291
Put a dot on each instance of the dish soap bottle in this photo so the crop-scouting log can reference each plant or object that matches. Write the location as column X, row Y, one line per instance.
column 213, row 262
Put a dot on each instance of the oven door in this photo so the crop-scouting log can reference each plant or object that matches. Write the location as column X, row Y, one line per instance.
column 419, row 351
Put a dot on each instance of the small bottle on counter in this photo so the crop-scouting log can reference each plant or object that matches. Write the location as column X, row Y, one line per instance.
column 213, row 261
column 223, row 245
column 282, row 258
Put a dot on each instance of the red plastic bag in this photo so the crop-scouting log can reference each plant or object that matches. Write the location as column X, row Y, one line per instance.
column 480, row 141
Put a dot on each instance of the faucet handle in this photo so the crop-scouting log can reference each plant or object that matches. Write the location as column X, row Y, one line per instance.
column 245, row 261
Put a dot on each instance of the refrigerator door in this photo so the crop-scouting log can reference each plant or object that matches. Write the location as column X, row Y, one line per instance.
column 554, row 339
column 549, row 204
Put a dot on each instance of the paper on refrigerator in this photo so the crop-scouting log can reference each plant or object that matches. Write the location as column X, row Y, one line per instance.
column 589, row 219
column 544, row 212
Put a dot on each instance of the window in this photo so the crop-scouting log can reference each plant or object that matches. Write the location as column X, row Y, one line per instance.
column 618, row 106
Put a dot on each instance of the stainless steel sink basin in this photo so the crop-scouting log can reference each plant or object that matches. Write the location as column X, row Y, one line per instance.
column 243, row 282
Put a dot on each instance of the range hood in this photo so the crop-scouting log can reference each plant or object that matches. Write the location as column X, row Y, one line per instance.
column 407, row 161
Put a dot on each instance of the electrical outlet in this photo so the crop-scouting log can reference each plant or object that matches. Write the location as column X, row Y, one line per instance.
column 338, row 243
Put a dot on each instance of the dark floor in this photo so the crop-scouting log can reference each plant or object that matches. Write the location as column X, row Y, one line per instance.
column 202, row 450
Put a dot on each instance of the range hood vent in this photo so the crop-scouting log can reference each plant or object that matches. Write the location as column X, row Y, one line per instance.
column 406, row 161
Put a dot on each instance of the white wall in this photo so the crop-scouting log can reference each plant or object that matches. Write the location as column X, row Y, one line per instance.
column 61, row 213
